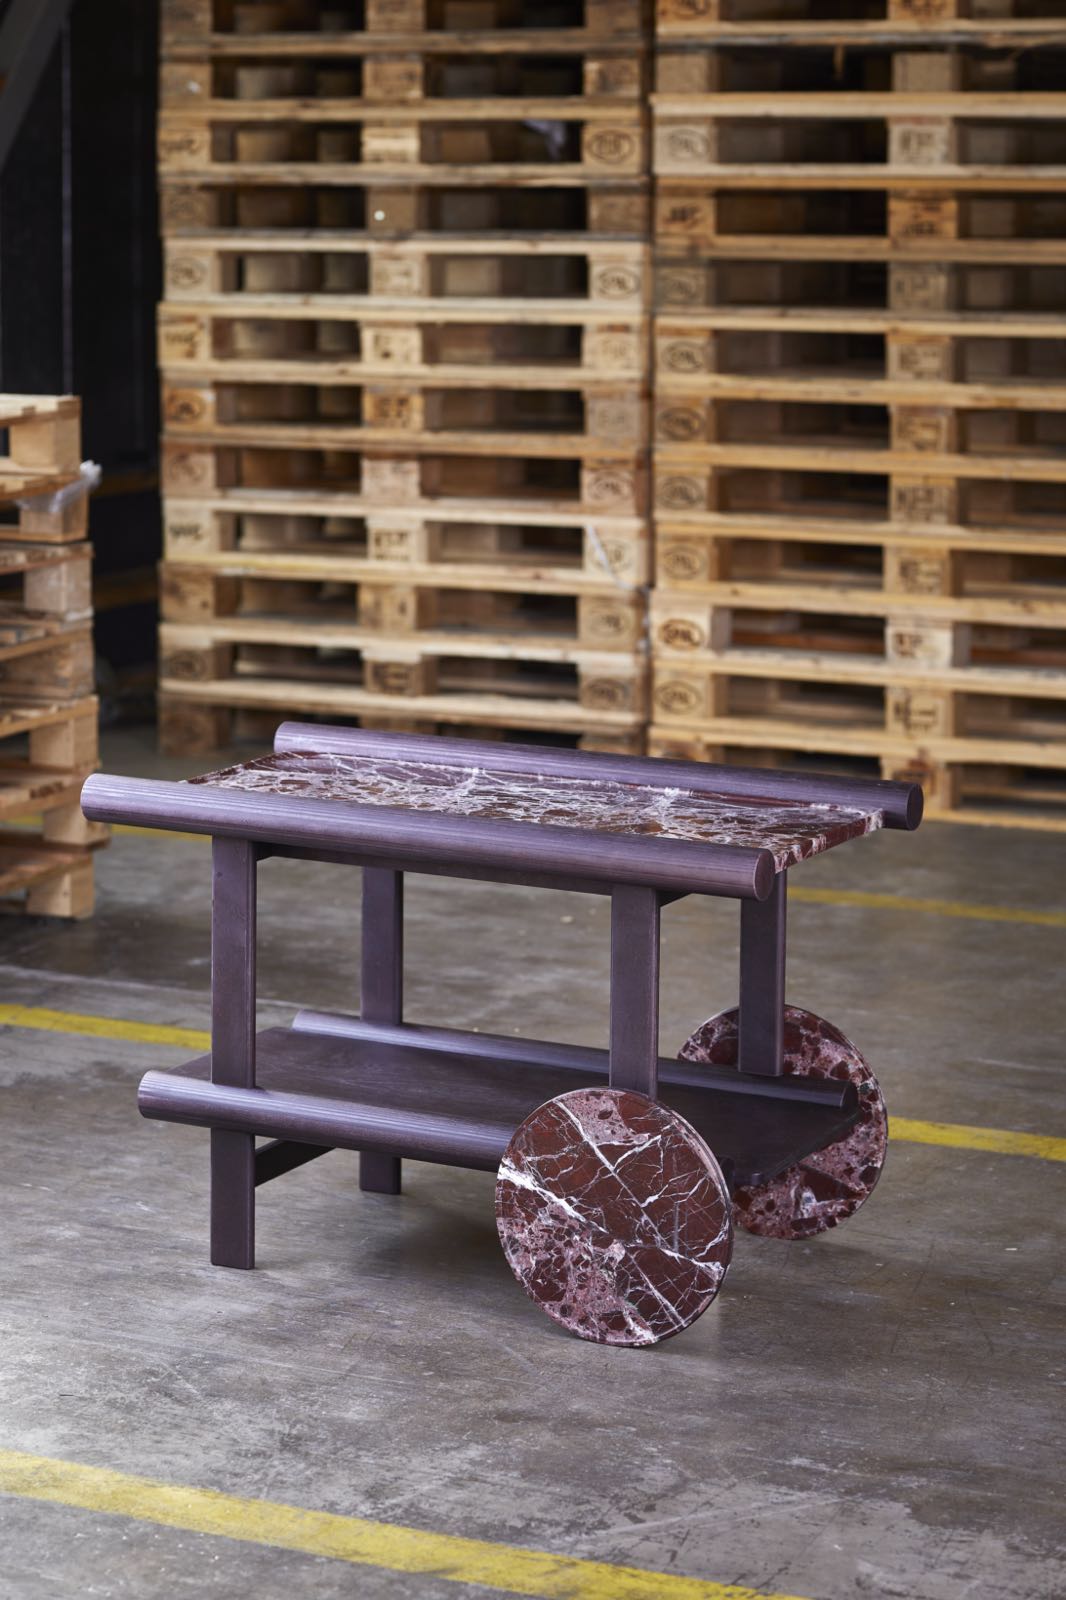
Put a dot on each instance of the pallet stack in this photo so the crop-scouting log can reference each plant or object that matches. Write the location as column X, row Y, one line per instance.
column 48, row 713
column 860, row 434
column 404, row 350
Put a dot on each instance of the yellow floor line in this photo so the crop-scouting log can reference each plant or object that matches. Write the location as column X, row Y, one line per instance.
column 508, row 1569
column 955, row 1135
column 40, row 1018
column 824, row 897
column 961, row 1136
column 937, row 908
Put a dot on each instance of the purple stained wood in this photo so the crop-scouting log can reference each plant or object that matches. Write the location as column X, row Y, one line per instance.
column 614, row 1216
column 791, row 830
column 830, row 1185
column 899, row 803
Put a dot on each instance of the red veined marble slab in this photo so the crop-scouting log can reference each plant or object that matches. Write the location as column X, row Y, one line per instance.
column 614, row 1216
column 790, row 830
column 830, row 1185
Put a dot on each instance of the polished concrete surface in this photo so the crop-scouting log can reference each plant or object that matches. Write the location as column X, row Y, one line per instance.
column 872, row 1414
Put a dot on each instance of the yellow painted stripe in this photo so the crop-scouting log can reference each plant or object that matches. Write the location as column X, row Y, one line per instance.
column 956, row 1135
column 39, row 1017
column 937, row 908
column 961, row 1136
column 507, row 1569
column 862, row 900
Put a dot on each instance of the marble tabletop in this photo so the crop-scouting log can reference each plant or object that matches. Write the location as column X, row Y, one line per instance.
column 791, row 830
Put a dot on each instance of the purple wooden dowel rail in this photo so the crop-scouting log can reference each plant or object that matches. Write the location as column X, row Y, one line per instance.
column 375, row 834
column 900, row 803
column 340, row 1124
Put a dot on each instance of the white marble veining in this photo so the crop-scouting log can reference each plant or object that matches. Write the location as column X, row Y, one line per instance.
column 790, row 830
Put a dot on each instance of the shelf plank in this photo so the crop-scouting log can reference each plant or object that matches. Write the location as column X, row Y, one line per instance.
column 434, row 1106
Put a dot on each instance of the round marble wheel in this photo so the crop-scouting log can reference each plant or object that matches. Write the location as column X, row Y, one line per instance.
column 829, row 1186
column 614, row 1216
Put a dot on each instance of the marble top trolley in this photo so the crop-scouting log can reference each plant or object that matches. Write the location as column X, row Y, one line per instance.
column 619, row 1173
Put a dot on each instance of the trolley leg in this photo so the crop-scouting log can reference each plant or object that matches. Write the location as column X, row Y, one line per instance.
column 382, row 993
column 634, row 1045
column 233, row 1047
column 762, row 983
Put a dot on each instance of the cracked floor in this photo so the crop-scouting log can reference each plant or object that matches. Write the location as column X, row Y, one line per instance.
column 871, row 1414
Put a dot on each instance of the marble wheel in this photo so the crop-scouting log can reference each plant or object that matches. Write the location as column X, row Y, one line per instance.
column 614, row 1216
column 829, row 1186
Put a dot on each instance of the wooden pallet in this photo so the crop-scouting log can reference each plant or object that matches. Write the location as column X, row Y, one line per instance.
column 458, row 201
column 227, row 25
column 495, row 142
column 478, row 683
column 991, row 790
column 47, row 750
column 201, row 343
column 55, row 664
column 1006, row 290
column 875, row 220
column 43, row 879
column 422, row 274
column 896, row 22
column 784, row 713
column 275, row 76
column 541, row 673
column 542, row 415
column 859, row 440
column 904, row 152
column 190, row 727
column 43, row 455
column 998, row 706
column 797, row 72
column 805, row 496
column 343, row 536
column 989, row 364
column 1013, row 566
column 41, row 587
column 819, row 469
column 600, row 483
column 443, row 608
column 926, row 629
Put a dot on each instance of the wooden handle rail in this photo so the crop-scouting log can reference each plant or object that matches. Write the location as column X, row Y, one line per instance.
column 900, row 803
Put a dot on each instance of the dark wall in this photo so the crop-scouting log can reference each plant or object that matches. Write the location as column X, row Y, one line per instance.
column 79, row 281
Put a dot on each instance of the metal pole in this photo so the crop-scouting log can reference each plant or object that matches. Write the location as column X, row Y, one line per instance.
column 382, row 993
column 233, row 1047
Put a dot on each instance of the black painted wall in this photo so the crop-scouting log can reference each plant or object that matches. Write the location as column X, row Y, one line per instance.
column 79, row 282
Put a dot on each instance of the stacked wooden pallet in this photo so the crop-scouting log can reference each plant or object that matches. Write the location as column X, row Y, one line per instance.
column 860, row 446
column 404, row 348
column 48, row 714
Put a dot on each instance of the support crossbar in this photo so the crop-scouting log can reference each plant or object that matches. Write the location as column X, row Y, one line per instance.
column 285, row 1155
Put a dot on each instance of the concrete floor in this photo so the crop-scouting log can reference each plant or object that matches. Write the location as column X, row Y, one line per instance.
column 870, row 1415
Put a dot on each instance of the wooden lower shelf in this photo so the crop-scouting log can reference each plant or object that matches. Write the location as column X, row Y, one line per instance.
column 434, row 1105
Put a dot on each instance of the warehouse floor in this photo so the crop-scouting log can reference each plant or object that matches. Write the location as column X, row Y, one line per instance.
column 867, row 1415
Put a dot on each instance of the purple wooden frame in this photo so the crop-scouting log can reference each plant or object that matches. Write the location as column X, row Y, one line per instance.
column 640, row 873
